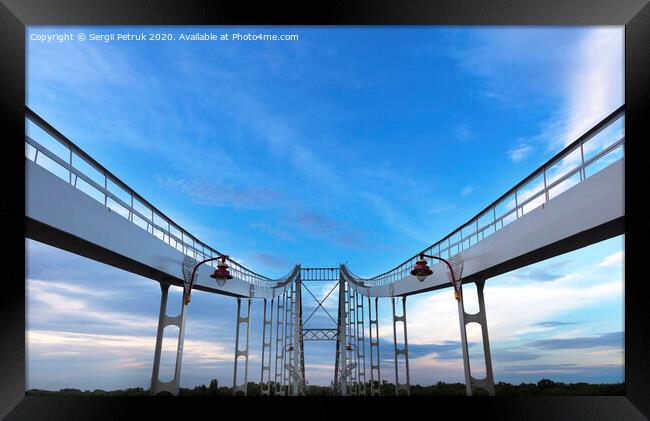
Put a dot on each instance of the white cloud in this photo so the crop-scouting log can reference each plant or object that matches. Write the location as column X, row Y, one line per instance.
column 595, row 87
column 615, row 259
column 120, row 350
column 520, row 152
column 511, row 309
column 52, row 301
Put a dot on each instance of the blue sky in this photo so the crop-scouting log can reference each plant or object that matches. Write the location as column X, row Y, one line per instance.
column 351, row 144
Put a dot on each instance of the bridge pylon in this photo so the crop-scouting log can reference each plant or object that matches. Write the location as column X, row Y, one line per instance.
column 267, row 347
column 401, row 351
column 164, row 320
column 241, row 389
column 472, row 383
column 340, row 371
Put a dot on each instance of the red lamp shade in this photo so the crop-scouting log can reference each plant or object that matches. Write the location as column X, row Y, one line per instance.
column 349, row 348
column 421, row 270
column 290, row 348
column 221, row 273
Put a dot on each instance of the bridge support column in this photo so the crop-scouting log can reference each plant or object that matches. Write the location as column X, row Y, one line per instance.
column 340, row 376
column 279, row 344
column 406, row 387
column 298, row 356
column 353, row 353
column 361, row 343
column 375, row 372
column 288, row 339
column 241, row 389
column 164, row 320
column 472, row 383
column 265, row 386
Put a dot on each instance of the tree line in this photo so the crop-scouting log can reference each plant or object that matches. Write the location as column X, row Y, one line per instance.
column 542, row 387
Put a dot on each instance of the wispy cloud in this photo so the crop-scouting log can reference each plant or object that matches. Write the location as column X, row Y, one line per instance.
column 206, row 192
column 520, row 153
column 508, row 355
column 545, row 272
column 463, row 133
column 552, row 323
column 466, row 191
column 274, row 232
column 586, row 75
column 613, row 372
column 532, row 302
column 58, row 301
column 612, row 339
column 393, row 216
column 615, row 259
column 595, row 88
column 271, row 260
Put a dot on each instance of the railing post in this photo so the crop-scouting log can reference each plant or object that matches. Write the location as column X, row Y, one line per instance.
column 516, row 205
column 70, row 165
column 106, row 191
column 582, row 165
column 545, row 186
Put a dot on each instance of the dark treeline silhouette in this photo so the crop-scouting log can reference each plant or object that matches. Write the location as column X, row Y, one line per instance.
column 542, row 387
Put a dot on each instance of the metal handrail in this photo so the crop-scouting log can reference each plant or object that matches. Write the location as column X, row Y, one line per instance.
column 445, row 245
column 189, row 244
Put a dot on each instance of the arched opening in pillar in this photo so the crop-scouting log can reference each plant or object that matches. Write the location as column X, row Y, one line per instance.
column 470, row 298
column 402, row 373
column 476, row 354
column 168, row 354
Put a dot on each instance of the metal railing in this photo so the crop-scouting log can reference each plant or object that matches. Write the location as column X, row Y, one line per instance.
column 113, row 193
column 319, row 274
column 575, row 163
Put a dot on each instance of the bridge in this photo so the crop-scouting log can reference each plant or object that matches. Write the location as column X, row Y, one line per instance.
column 573, row 200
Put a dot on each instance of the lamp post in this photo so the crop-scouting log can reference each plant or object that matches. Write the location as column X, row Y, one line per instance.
column 221, row 274
column 422, row 270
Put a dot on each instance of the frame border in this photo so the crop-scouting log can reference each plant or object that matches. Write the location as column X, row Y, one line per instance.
column 15, row 15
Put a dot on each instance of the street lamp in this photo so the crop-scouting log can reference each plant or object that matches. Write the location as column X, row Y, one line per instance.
column 221, row 273
column 421, row 270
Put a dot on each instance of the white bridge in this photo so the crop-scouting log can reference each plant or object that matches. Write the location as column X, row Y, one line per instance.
column 573, row 200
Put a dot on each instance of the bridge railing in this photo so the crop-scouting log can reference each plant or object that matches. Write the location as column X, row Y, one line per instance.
column 596, row 149
column 319, row 274
column 50, row 149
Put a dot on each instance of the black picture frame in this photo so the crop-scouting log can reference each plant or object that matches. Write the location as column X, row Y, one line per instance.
column 15, row 15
